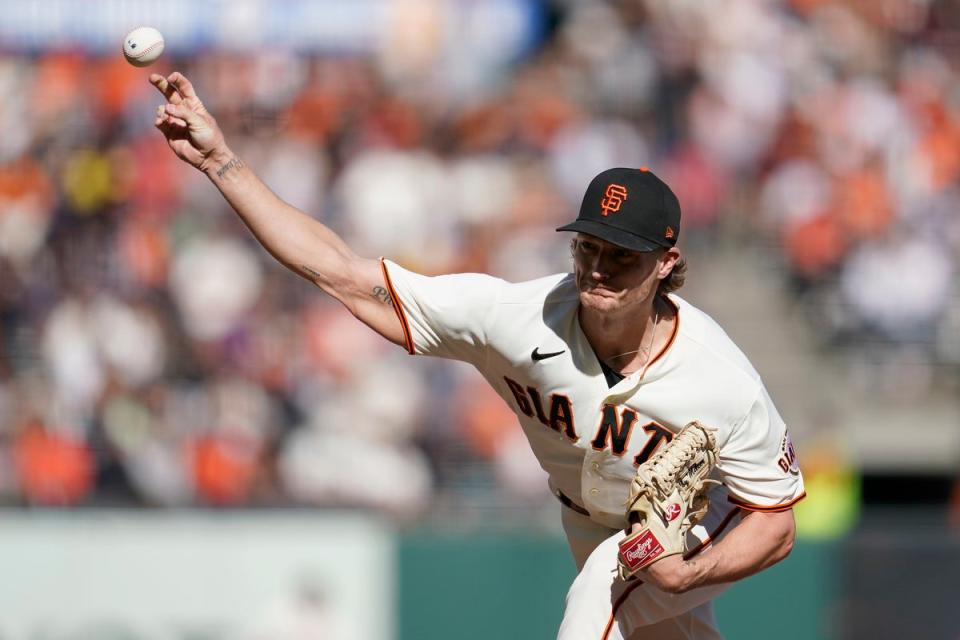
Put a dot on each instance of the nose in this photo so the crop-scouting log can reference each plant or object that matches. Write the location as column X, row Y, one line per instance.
column 600, row 266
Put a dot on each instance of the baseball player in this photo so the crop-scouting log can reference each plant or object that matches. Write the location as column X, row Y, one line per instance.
column 602, row 366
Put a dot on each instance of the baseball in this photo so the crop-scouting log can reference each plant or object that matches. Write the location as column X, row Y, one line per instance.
column 142, row 46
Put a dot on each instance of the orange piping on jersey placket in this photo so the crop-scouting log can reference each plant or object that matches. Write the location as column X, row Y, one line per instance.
column 689, row 554
column 634, row 380
column 773, row 509
column 398, row 308
column 637, row 377
column 666, row 347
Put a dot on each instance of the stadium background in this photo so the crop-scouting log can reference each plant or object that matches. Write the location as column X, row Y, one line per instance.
column 182, row 420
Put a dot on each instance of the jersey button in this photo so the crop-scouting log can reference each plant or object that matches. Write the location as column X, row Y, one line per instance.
column 596, row 466
column 594, row 492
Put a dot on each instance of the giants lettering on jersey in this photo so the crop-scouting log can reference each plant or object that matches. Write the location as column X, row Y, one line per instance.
column 788, row 458
column 529, row 401
column 616, row 423
column 613, row 432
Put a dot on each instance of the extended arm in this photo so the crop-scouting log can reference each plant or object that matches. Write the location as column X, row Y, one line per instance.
column 296, row 240
column 760, row 540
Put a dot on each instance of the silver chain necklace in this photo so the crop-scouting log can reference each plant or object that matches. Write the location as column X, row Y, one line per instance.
column 653, row 335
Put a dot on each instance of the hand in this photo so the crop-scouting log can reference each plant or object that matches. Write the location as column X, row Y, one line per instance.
column 189, row 128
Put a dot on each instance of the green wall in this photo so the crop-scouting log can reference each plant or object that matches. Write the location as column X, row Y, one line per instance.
column 507, row 586
column 489, row 587
column 794, row 600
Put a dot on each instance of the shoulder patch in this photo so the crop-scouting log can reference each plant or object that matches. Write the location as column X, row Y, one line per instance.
column 788, row 456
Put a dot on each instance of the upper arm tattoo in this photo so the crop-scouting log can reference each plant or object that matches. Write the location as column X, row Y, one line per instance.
column 382, row 295
column 378, row 292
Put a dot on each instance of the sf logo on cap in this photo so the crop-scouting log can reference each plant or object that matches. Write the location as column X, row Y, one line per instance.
column 613, row 199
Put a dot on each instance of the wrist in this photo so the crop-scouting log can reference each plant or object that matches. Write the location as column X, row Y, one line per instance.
column 220, row 162
column 694, row 573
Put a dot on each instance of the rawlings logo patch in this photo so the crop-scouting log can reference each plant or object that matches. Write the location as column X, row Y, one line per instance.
column 673, row 511
column 640, row 551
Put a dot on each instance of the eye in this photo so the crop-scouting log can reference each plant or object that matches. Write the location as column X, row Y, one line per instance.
column 585, row 246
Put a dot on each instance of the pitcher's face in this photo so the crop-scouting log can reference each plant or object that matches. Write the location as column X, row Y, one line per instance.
column 611, row 278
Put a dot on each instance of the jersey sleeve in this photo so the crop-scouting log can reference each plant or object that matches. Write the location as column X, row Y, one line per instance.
column 758, row 461
column 445, row 316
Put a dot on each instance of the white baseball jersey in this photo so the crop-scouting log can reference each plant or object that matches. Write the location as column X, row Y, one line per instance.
column 589, row 437
column 526, row 340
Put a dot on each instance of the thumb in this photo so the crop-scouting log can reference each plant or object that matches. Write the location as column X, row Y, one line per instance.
column 186, row 114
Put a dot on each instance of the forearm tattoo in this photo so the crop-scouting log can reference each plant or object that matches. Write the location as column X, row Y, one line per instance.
column 382, row 295
column 310, row 272
column 233, row 163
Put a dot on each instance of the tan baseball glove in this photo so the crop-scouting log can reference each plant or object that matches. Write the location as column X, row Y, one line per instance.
column 668, row 497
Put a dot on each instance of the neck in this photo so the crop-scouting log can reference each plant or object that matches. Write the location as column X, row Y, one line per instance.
column 618, row 338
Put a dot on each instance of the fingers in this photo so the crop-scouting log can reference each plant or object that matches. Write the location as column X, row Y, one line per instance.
column 164, row 118
column 170, row 131
column 175, row 87
column 166, row 88
column 183, row 113
column 183, row 85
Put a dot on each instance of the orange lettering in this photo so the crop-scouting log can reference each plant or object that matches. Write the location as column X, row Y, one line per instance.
column 613, row 199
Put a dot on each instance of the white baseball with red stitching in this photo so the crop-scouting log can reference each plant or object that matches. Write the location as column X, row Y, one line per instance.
column 143, row 46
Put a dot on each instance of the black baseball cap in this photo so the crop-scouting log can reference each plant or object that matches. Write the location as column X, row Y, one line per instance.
column 631, row 208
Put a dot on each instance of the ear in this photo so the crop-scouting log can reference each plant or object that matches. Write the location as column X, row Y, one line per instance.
column 667, row 261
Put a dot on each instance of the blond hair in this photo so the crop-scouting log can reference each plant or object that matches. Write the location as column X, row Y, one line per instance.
column 678, row 275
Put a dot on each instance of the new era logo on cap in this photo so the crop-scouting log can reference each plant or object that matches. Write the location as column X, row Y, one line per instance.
column 647, row 213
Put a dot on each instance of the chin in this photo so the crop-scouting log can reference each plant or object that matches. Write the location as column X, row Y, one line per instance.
column 598, row 302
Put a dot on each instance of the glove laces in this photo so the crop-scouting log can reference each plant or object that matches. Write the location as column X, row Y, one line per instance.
column 671, row 464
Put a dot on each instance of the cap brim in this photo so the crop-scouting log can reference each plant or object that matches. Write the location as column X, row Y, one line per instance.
column 612, row 235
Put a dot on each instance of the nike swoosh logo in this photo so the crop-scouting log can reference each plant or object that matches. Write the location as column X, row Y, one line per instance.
column 537, row 356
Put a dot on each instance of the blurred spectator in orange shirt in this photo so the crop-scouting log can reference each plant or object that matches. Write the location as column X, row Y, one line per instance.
column 53, row 467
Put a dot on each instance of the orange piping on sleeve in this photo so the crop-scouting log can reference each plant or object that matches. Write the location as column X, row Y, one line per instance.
column 713, row 536
column 398, row 308
column 772, row 509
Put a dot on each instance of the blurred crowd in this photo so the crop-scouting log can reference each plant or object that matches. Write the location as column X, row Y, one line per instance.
column 152, row 354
